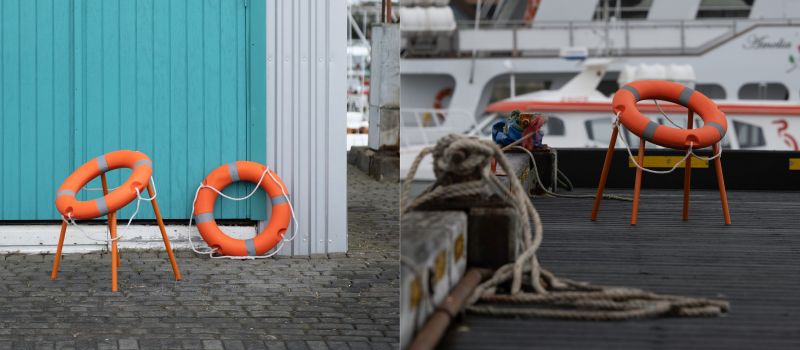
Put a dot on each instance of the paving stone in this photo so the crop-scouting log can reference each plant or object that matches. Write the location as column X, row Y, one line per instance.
column 233, row 344
column 212, row 345
column 128, row 344
column 322, row 302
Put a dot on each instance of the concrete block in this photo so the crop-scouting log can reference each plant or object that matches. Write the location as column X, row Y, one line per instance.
column 546, row 165
column 491, row 237
column 427, row 271
column 380, row 165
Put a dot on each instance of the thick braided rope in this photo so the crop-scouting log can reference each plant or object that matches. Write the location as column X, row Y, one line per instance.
column 461, row 168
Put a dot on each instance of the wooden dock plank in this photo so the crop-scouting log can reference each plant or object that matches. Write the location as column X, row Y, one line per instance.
column 754, row 264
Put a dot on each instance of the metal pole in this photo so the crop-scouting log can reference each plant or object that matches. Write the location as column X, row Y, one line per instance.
column 683, row 37
column 388, row 11
column 606, row 49
column 627, row 37
column 475, row 47
column 513, row 83
column 437, row 324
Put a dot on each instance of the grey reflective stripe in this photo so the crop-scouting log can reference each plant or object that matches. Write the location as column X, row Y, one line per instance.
column 201, row 218
column 101, row 163
column 65, row 193
column 685, row 95
column 101, row 205
column 649, row 131
column 251, row 247
column 233, row 171
column 279, row 199
column 143, row 162
column 633, row 91
column 719, row 128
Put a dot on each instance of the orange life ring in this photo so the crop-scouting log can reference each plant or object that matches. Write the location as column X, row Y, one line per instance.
column 437, row 100
column 714, row 123
column 69, row 206
column 223, row 176
column 530, row 11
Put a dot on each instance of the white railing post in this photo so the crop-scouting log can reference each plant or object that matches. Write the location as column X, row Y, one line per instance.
column 683, row 37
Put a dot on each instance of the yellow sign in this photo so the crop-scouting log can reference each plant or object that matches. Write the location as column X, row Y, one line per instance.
column 458, row 249
column 669, row 162
column 794, row 163
column 440, row 266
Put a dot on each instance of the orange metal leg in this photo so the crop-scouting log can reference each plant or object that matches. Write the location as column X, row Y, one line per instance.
column 687, row 173
column 112, row 227
column 114, row 255
column 638, row 184
column 57, row 260
column 164, row 235
column 723, row 195
column 604, row 174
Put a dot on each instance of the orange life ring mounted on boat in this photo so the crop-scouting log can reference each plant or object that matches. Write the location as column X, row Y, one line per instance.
column 69, row 206
column 714, row 123
column 225, row 175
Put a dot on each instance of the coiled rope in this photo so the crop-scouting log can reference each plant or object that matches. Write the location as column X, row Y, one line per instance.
column 461, row 168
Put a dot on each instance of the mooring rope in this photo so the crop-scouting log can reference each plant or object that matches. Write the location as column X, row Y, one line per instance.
column 461, row 165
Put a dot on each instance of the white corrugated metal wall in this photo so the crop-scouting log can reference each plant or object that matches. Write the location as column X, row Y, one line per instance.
column 306, row 104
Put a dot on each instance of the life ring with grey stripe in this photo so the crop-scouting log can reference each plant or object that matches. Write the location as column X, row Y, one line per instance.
column 715, row 125
column 69, row 206
column 225, row 175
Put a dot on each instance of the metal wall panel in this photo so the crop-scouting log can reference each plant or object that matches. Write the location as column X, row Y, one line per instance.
column 85, row 77
column 306, row 60
column 35, row 78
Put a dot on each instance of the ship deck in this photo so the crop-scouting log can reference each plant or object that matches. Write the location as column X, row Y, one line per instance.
column 754, row 264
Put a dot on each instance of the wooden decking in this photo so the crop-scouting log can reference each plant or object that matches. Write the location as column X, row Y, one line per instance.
column 754, row 264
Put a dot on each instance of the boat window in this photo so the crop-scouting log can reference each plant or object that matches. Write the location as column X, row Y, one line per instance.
column 713, row 91
column 523, row 83
column 599, row 129
column 554, row 126
column 487, row 129
column 763, row 91
column 749, row 135
column 622, row 9
column 608, row 87
column 698, row 123
column 724, row 8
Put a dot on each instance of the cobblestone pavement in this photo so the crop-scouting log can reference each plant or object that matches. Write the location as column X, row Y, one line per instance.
column 343, row 301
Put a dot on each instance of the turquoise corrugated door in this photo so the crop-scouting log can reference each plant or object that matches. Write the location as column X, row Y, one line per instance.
column 85, row 77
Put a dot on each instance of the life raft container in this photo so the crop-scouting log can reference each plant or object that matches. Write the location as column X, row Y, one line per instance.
column 714, row 123
column 69, row 206
column 225, row 175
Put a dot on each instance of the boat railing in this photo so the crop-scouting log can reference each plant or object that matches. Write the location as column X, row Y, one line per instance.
column 424, row 126
column 624, row 37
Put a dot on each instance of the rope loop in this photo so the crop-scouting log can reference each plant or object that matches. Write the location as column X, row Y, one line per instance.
column 689, row 152
column 108, row 240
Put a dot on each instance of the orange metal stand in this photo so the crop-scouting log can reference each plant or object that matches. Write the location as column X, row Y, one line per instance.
column 112, row 226
column 687, row 173
column 638, row 182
